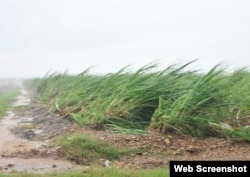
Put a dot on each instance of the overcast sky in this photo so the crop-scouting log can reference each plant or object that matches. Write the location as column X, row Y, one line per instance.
column 37, row 36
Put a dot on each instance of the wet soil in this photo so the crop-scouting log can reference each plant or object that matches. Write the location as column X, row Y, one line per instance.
column 156, row 150
column 18, row 150
column 27, row 142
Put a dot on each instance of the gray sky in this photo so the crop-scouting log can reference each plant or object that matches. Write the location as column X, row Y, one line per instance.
column 37, row 36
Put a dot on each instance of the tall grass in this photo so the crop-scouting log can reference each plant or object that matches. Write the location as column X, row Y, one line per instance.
column 195, row 104
column 173, row 99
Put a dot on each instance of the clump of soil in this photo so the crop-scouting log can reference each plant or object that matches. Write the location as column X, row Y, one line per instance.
column 39, row 124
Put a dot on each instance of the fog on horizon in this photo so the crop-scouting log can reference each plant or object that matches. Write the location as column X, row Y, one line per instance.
column 58, row 35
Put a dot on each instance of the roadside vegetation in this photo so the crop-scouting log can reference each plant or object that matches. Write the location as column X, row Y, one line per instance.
column 84, row 149
column 7, row 96
column 96, row 172
column 175, row 99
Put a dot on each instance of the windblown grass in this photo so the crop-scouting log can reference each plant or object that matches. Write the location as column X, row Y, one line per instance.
column 174, row 99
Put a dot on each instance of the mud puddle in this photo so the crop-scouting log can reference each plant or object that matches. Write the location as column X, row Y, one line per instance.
column 22, row 154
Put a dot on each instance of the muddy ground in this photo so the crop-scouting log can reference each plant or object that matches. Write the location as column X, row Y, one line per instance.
column 33, row 133
column 18, row 150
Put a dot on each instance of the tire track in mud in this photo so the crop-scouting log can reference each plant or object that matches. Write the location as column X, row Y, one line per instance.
column 21, row 154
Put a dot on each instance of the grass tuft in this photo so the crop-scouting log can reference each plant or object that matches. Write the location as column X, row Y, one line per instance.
column 85, row 150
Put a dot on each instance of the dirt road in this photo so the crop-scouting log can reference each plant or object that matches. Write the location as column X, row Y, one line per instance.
column 22, row 154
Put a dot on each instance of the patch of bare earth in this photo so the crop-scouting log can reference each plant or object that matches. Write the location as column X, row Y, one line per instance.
column 157, row 150
column 153, row 150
